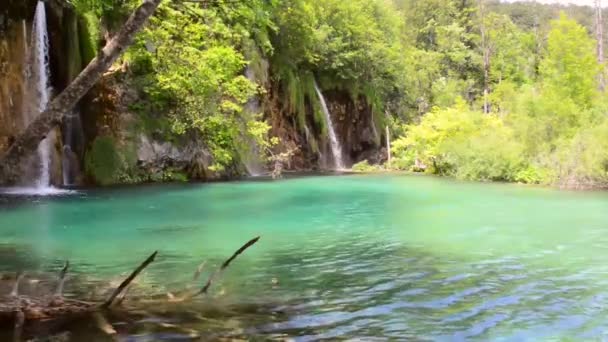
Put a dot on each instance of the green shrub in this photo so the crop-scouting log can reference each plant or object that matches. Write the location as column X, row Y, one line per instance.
column 365, row 166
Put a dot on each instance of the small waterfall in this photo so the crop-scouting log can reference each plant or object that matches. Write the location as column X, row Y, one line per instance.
column 307, row 133
column 41, row 73
column 251, row 156
column 336, row 149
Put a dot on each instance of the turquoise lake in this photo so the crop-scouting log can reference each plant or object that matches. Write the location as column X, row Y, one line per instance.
column 354, row 256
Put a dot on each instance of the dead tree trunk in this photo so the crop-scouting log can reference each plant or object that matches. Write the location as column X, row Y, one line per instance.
column 599, row 36
column 27, row 142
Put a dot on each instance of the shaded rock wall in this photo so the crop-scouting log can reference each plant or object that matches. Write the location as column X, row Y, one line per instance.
column 353, row 124
column 13, row 46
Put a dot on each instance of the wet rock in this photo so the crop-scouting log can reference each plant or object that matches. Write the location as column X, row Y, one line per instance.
column 193, row 158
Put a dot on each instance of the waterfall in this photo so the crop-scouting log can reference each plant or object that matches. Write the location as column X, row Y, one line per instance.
column 41, row 71
column 38, row 94
column 336, row 149
column 251, row 155
column 40, row 86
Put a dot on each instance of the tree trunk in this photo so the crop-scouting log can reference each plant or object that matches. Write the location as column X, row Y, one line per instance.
column 599, row 36
column 486, row 58
column 27, row 142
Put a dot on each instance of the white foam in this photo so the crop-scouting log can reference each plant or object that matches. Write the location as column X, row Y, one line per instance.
column 36, row 191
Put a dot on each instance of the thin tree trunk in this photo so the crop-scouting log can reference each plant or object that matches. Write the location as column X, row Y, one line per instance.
column 388, row 147
column 27, row 142
column 599, row 36
column 486, row 58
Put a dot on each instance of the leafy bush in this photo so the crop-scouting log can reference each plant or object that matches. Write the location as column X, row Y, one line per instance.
column 365, row 166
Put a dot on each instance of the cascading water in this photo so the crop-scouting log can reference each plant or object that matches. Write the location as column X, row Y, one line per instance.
column 40, row 73
column 251, row 155
column 336, row 149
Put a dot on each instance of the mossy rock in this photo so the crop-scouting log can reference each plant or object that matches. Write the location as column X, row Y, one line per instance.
column 103, row 162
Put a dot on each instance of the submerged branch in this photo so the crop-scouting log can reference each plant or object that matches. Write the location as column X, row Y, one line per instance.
column 128, row 280
column 15, row 291
column 20, row 309
column 225, row 265
column 62, row 277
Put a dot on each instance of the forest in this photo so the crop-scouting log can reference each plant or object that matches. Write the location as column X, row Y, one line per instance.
column 478, row 90
column 472, row 89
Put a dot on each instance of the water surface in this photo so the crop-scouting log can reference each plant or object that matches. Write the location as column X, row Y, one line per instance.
column 365, row 257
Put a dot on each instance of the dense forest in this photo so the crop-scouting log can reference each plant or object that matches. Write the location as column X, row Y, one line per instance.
column 479, row 90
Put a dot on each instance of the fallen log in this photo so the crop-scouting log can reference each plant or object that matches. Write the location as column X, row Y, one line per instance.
column 22, row 312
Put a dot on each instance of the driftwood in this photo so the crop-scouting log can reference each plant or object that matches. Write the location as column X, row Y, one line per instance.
column 19, row 311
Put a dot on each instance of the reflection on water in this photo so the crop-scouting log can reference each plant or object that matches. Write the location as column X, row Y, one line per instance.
column 354, row 256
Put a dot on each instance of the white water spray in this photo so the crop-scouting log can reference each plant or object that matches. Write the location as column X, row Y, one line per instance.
column 251, row 155
column 336, row 149
column 41, row 72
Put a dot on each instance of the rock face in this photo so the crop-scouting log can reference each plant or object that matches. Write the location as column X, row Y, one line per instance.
column 13, row 50
column 355, row 127
column 107, row 112
column 154, row 157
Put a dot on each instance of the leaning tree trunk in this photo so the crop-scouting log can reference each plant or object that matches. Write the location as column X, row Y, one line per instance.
column 27, row 142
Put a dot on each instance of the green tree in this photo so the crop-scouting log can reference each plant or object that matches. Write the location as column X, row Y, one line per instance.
column 570, row 67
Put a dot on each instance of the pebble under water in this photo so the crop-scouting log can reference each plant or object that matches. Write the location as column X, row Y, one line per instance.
column 370, row 257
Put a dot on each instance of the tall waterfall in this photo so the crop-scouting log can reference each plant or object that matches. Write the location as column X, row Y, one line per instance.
column 41, row 86
column 336, row 149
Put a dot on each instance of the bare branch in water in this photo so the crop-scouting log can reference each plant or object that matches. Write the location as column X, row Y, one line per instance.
column 122, row 297
column 225, row 265
column 103, row 324
column 64, row 271
column 15, row 291
column 129, row 279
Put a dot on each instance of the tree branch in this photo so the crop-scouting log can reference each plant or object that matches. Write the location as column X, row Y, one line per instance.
column 225, row 265
column 129, row 279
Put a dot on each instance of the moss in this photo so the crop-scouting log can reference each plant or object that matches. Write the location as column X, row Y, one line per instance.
column 103, row 162
column 89, row 36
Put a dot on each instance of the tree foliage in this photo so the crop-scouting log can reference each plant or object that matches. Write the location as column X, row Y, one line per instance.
column 418, row 64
